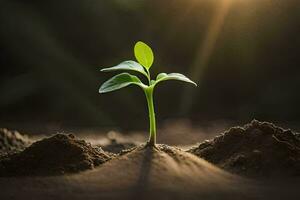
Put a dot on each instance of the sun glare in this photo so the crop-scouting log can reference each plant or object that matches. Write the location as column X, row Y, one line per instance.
column 205, row 49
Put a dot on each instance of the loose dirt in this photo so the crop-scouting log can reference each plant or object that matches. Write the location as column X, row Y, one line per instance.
column 55, row 155
column 12, row 141
column 139, row 173
column 160, row 172
column 116, row 146
column 259, row 149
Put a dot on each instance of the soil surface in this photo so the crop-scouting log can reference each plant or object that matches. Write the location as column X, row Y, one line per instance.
column 116, row 147
column 55, row 155
column 140, row 173
column 259, row 149
column 12, row 141
column 160, row 172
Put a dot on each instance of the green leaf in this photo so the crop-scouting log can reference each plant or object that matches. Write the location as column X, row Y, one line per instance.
column 173, row 76
column 119, row 81
column 143, row 54
column 127, row 65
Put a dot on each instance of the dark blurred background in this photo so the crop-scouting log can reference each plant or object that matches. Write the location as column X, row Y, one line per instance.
column 244, row 55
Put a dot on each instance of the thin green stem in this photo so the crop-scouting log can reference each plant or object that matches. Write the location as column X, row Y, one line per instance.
column 152, row 122
column 148, row 77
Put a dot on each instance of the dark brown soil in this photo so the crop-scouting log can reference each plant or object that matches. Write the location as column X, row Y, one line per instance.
column 55, row 155
column 162, row 172
column 116, row 147
column 259, row 149
column 12, row 141
column 142, row 173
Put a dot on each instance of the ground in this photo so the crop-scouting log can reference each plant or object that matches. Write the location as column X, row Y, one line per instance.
column 140, row 172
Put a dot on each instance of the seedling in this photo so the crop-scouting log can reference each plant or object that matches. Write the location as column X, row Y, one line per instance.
column 144, row 55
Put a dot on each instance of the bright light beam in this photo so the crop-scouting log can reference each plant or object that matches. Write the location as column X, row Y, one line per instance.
column 204, row 52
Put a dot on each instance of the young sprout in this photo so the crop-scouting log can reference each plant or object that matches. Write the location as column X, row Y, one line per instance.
column 144, row 55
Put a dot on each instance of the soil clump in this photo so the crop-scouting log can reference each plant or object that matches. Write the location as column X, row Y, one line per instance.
column 258, row 149
column 55, row 155
column 12, row 141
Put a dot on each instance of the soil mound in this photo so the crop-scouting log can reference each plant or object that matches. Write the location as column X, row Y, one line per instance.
column 12, row 141
column 149, row 173
column 160, row 173
column 259, row 149
column 55, row 155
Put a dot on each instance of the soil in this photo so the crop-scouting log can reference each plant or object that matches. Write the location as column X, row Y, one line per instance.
column 160, row 172
column 55, row 155
column 12, row 141
column 116, row 146
column 259, row 149
column 140, row 173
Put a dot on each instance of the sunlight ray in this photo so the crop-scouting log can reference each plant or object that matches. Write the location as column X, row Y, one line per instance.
column 204, row 51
